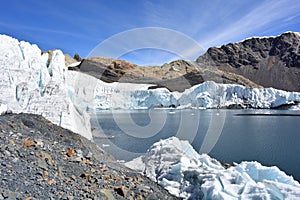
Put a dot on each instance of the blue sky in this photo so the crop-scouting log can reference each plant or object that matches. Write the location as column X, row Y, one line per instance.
column 76, row 26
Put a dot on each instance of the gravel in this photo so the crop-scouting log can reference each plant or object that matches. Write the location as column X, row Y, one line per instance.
column 39, row 160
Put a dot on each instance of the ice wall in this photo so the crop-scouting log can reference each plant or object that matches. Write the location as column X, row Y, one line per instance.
column 212, row 95
column 206, row 95
column 31, row 83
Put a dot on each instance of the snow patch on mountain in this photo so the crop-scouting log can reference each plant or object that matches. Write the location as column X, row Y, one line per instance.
column 176, row 166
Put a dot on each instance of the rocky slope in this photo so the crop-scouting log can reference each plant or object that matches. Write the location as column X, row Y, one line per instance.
column 176, row 76
column 39, row 160
column 269, row 61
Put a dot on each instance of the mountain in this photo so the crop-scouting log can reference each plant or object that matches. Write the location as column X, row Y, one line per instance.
column 254, row 63
column 267, row 61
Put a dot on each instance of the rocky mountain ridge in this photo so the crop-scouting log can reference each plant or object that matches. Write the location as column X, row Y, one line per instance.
column 175, row 76
column 267, row 61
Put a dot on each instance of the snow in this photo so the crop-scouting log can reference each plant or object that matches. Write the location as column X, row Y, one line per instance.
column 3, row 109
column 295, row 107
column 266, row 37
column 176, row 166
column 103, row 96
column 29, row 84
column 97, row 94
column 75, row 64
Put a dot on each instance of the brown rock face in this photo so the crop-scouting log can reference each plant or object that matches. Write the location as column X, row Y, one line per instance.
column 270, row 62
column 176, row 76
column 105, row 69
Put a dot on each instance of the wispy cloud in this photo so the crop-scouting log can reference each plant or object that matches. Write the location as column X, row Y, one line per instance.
column 267, row 15
column 39, row 29
column 215, row 22
column 197, row 20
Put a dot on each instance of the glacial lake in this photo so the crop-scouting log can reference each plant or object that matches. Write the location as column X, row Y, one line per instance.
column 271, row 137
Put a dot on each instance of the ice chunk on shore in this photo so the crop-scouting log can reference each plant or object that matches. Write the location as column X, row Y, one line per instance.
column 176, row 166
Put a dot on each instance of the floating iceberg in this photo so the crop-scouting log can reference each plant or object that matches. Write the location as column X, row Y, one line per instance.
column 296, row 107
column 176, row 166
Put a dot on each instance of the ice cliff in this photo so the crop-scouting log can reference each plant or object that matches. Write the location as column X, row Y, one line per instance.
column 212, row 95
column 176, row 166
column 101, row 95
column 30, row 82
column 206, row 95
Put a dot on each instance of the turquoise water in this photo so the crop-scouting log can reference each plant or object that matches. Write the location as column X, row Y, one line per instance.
column 227, row 135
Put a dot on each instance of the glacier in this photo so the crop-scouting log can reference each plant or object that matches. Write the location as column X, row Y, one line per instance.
column 207, row 95
column 213, row 95
column 30, row 82
column 176, row 166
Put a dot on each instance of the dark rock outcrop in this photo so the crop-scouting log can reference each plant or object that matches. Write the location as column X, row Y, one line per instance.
column 269, row 61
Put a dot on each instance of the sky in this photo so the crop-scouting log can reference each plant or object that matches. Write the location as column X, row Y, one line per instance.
column 77, row 26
